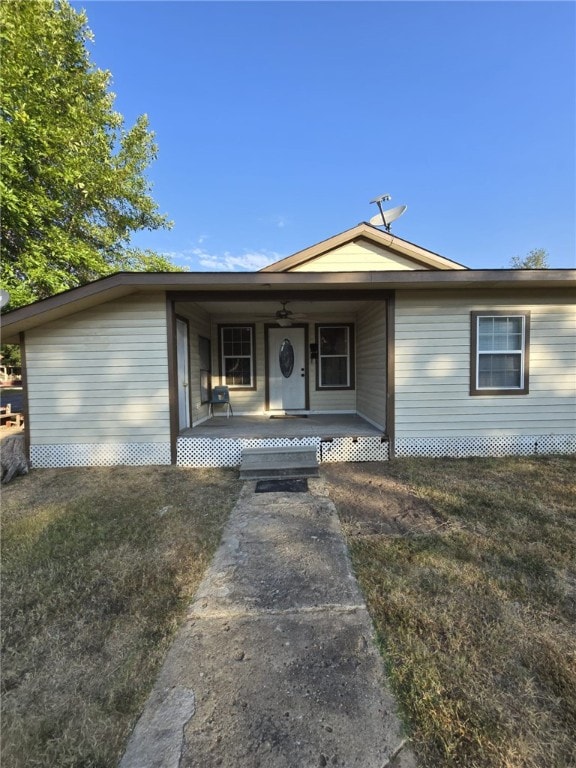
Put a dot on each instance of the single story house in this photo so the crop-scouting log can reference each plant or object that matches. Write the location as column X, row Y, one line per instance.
column 364, row 345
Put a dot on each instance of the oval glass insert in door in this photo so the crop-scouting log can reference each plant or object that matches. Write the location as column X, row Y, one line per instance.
column 286, row 358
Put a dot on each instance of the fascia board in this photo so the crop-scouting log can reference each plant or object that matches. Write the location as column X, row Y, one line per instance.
column 123, row 284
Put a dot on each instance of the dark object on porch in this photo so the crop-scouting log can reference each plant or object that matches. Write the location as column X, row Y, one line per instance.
column 290, row 416
column 221, row 396
column 296, row 485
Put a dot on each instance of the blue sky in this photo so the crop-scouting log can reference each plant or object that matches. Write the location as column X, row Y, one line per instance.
column 277, row 123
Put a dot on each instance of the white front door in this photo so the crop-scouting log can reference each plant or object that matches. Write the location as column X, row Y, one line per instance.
column 183, row 374
column 286, row 369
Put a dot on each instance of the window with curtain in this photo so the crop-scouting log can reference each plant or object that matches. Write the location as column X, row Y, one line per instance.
column 237, row 356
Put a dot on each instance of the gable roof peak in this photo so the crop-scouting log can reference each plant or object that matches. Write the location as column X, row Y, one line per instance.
column 364, row 231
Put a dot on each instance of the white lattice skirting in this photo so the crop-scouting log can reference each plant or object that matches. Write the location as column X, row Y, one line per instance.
column 204, row 452
column 99, row 455
column 462, row 447
column 354, row 449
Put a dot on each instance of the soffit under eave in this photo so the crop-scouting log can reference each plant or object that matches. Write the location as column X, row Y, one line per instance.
column 265, row 284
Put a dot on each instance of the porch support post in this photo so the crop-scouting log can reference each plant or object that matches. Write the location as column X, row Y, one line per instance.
column 25, row 404
column 172, row 377
column 390, row 375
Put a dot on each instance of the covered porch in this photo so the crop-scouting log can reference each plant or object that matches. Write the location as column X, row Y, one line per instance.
column 302, row 368
column 219, row 441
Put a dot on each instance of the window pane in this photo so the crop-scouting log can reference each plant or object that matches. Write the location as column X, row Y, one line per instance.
column 485, row 333
column 499, row 333
column 485, row 342
column 499, row 371
column 333, row 341
column 236, row 341
column 227, row 341
column 334, row 372
column 514, row 329
column 237, row 371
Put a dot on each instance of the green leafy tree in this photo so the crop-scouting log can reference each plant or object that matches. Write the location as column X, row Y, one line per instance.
column 73, row 181
column 535, row 259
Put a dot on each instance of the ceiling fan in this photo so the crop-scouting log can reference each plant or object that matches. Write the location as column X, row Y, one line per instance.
column 284, row 317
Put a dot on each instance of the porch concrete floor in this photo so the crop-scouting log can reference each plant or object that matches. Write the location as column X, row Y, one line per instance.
column 257, row 427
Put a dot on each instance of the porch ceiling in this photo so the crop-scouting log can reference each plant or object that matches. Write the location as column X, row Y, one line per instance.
column 266, row 309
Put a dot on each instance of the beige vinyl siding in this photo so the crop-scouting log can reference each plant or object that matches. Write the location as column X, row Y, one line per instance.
column 432, row 342
column 101, row 376
column 330, row 401
column 359, row 256
column 371, row 363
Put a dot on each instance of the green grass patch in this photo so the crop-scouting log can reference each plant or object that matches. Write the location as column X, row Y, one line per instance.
column 98, row 566
column 475, row 611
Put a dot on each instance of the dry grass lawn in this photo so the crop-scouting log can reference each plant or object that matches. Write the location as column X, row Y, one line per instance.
column 468, row 567
column 469, row 570
column 98, row 566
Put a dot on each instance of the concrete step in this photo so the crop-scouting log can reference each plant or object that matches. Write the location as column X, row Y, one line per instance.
column 286, row 462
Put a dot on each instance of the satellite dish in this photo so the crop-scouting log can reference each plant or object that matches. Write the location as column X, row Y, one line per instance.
column 380, row 198
column 4, row 298
column 385, row 218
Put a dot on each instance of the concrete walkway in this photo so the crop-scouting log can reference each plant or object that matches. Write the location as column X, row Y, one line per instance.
column 276, row 665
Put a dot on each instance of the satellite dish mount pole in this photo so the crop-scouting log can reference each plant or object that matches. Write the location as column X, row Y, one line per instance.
column 386, row 197
column 378, row 201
